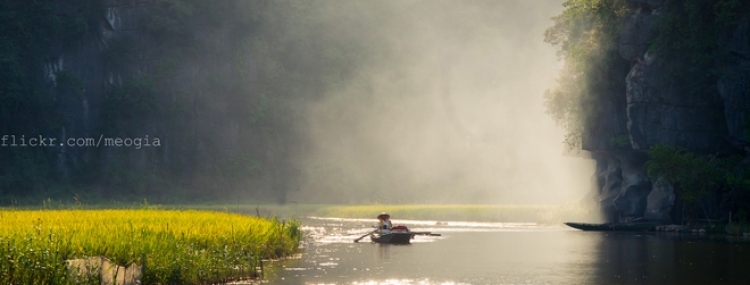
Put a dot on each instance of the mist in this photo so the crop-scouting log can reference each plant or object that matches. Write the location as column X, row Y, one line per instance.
column 443, row 104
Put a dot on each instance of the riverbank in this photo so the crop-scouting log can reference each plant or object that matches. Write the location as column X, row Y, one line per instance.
column 547, row 214
column 171, row 246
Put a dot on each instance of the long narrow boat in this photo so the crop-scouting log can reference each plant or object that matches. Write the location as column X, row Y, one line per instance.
column 590, row 227
column 631, row 227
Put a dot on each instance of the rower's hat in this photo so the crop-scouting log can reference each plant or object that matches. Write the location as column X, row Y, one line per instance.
column 383, row 214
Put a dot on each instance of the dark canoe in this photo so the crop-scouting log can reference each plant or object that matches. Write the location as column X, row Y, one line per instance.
column 633, row 227
column 397, row 238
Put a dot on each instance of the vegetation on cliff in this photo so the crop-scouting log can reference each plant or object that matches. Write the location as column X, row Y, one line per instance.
column 586, row 34
column 700, row 181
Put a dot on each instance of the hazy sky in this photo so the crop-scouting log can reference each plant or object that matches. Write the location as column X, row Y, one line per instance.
column 446, row 105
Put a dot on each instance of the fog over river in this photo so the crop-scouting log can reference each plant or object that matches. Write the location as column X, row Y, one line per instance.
column 446, row 107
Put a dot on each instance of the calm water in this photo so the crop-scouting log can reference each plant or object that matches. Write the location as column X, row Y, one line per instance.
column 507, row 253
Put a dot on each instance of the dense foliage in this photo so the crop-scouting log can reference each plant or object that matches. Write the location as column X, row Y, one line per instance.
column 699, row 179
column 586, row 34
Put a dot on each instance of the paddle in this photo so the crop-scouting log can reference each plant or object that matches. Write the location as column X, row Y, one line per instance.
column 425, row 234
column 372, row 232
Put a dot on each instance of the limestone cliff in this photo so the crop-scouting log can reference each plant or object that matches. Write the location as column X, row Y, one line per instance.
column 653, row 109
column 167, row 71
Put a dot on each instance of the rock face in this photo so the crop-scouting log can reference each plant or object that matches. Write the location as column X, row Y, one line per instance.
column 207, row 127
column 655, row 110
column 636, row 33
column 623, row 184
column 734, row 86
column 659, row 112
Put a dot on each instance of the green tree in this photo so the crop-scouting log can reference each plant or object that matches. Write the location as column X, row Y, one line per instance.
column 694, row 177
column 586, row 35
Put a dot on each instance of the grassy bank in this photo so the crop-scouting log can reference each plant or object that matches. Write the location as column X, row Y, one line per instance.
column 480, row 213
column 177, row 247
column 257, row 209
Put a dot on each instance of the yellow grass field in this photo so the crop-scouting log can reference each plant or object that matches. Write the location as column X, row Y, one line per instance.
column 174, row 247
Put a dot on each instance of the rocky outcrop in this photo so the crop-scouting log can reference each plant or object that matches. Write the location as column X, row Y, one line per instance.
column 624, row 185
column 660, row 202
column 657, row 110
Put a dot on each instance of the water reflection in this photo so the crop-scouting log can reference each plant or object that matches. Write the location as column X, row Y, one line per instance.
column 487, row 253
column 668, row 258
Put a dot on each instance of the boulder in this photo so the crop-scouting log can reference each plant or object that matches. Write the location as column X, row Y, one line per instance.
column 110, row 273
column 660, row 202
column 624, row 185
column 635, row 188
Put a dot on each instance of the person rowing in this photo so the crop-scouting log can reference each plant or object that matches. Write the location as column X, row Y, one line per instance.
column 384, row 223
column 384, row 226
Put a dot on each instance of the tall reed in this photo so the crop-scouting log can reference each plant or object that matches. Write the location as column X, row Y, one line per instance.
column 176, row 247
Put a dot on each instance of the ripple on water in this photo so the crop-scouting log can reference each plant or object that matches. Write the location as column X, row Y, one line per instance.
column 338, row 230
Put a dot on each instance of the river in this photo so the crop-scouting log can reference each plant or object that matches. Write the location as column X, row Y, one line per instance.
column 510, row 253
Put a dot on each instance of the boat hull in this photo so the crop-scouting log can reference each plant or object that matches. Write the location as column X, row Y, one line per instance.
column 395, row 238
column 637, row 227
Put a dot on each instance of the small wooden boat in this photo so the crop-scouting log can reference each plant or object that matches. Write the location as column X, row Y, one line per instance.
column 398, row 235
column 629, row 227
column 395, row 238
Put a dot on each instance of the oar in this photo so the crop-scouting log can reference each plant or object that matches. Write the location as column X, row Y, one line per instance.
column 425, row 234
column 372, row 232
